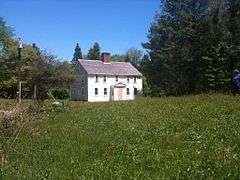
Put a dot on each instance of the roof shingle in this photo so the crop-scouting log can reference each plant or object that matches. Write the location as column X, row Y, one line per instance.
column 96, row 67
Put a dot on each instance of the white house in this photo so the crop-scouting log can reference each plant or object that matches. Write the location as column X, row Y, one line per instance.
column 103, row 80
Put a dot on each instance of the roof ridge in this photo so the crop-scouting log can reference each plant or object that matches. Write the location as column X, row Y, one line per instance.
column 101, row 61
column 87, row 60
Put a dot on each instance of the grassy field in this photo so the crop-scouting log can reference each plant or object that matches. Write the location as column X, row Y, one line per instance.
column 194, row 137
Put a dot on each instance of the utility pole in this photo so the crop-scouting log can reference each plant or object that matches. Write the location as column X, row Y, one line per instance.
column 20, row 46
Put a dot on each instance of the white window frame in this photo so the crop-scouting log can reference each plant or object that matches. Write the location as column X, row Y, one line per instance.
column 128, row 91
column 104, row 91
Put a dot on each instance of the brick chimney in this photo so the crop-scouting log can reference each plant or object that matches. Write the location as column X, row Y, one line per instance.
column 106, row 58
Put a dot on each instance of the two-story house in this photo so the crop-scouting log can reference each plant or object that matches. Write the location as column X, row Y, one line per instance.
column 103, row 80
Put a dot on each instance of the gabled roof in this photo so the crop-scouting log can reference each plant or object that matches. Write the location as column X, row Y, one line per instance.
column 96, row 67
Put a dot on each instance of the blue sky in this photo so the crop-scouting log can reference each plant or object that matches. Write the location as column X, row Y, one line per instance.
column 57, row 25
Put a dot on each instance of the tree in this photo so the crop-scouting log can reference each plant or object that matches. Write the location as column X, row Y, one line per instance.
column 170, row 38
column 216, row 49
column 6, row 35
column 134, row 56
column 234, row 26
column 49, row 73
column 189, row 46
column 8, row 61
column 77, row 54
column 36, row 67
column 118, row 57
column 215, row 71
column 6, row 67
column 146, row 69
column 146, row 65
column 94, row 52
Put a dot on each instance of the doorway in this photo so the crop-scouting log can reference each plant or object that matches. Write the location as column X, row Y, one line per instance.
column 120, row 94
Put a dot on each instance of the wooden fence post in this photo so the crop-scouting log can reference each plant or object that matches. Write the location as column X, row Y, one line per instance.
column 35, row 92
column 20, row 92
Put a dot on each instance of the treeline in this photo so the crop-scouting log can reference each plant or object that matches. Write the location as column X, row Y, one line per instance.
column 34, row 67
column 132, row 55
column 39, row 71
column 93, row 53
column 194, row 47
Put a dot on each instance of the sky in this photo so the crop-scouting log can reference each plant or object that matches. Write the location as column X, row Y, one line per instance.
column 57, row 25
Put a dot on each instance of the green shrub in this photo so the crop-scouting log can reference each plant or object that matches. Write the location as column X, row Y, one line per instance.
column 60, row 93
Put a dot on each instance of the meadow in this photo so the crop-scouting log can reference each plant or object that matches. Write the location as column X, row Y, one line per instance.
column 190, row 137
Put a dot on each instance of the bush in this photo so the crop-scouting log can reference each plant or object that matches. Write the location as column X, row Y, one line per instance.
column 60, row 93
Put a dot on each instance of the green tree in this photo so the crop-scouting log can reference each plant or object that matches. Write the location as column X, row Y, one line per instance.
column 134, row 56
column 8, row 61
column 215, row 71
column 6, row 35
column 189, row 41
column 94, row 52
column 216, row 49
column 172, row 40
column 49, row 73
column 77, row 54
column 118, row 57
column 234, row 29
column 35, row 67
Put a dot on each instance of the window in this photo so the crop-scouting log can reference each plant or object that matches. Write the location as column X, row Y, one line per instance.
column 96, row 77
column 104, row 78
column 105, row 91
column 83, row 81
column 83, row 91
column 116, row 78
column 135, row 91
column 128, row 79
column 96, row 91
column 128, row 91
column 135, row 79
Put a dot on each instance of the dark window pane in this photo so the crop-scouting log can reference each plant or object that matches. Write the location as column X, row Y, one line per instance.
column 83, row 91
column 96, row 78
column 104, row 78
column 96, row 91
column 135, row 91
column 105, row 91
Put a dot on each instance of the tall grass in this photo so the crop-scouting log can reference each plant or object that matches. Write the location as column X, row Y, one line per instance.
column 192, row 137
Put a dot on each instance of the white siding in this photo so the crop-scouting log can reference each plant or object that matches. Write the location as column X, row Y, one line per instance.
column 110, row 82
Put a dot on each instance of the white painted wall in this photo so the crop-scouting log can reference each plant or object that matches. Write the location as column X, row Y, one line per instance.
column 84, row 87
column 110, row 82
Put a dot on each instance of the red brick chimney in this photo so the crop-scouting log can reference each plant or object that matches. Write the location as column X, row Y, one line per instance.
column 106, row 57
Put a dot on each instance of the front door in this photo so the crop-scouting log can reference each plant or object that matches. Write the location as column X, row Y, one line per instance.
column 120, row 95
